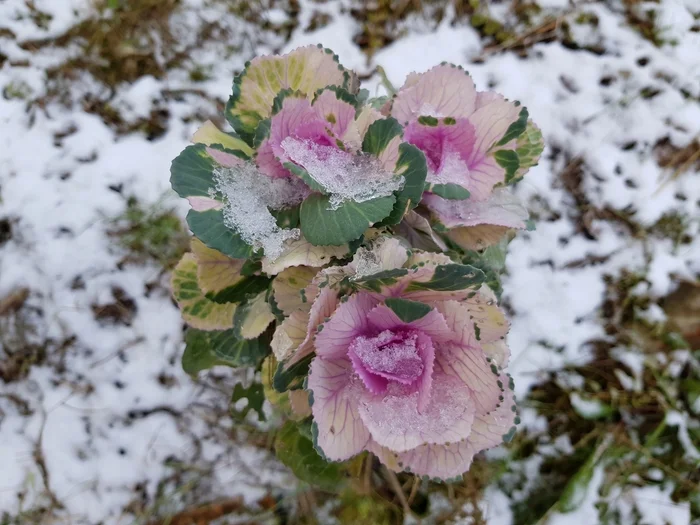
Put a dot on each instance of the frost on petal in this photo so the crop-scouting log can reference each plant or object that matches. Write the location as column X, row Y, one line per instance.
column 432, row 324
column 394, row 419
column 342, row 175
column 346, row 323
column 443, row 91
column 501, row 208
column 447, row 462
column 295, row 113
column 335, row 113
column 404, row 356
column 289, row 288
column 443, row 462
column 249, row 197
column 300, row 252
column 289, row 335
column 215, row 271
column 305, row 69
column 470, row 366
column 340, row 432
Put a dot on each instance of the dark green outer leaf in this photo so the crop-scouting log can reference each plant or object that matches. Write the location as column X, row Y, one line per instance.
column 191, row 173
column 291, row 378
column 255, row 394
column 379, row 134
column 451, row 277
column 414, row 181
column 377, row 281
column 508, row 160
column 324, row 227
column 208, row 226
column 407, row 311
column 242, row 290
column 206, row 349
column 449, row 191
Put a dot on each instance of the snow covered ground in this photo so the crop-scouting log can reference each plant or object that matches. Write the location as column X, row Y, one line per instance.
column 102, row 426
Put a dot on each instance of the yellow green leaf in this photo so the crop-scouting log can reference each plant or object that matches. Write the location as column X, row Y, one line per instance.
column 215, row 271
column 209, row 134
column 253, row 317
column 198, row 311
column 289, row 288
column 302, row 253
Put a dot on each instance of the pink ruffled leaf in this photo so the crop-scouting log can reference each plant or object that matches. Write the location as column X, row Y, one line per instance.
column 443, row 91
column 470, row 366
column 338, row 429
column 501, row 208
column 347, row 322
column 432, row 323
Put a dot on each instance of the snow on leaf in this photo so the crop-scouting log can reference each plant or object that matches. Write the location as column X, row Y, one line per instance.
column 249, row 196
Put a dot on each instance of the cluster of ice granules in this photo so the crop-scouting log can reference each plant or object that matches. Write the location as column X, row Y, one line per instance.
column 453, row 170
column 397, row 412
column 392, row 355
column 249, row 197
column 343, row 175
column 367, row 262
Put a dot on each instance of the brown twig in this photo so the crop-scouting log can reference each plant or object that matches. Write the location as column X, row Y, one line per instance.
column 202, row 514
column 396, row 487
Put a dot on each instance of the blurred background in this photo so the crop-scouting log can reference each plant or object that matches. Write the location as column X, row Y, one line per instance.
column 98, row 423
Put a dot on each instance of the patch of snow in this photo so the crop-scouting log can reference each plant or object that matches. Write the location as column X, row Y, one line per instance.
column 249, row 196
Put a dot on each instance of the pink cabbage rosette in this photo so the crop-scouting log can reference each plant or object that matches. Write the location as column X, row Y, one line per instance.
column 408, row 365
column 474, row 142
column 310, row 133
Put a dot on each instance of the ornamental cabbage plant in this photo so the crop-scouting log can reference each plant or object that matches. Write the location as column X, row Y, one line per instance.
column 348, row 250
